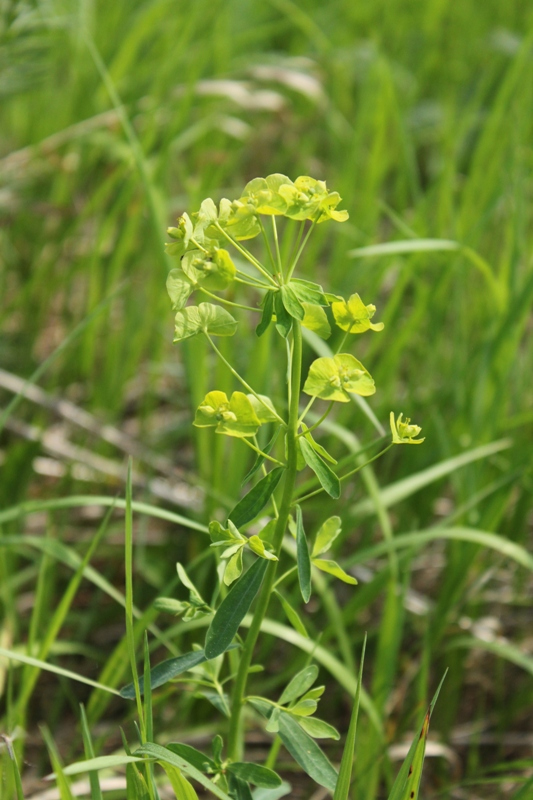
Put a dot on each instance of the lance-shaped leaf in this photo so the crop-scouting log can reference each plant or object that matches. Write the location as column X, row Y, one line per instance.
column 234, row 567
column 181, row 786
column 302, row 557
column 326, row 535
column 335, row 378
column 292, row 615
column 258, row 547
column 299, row 685
column 322, row 452
column 195, row 757
column 256, row 774
column 306, row 752
column 318, row 729
column 327, row 478
column 266, row 317
column 354, row 317
column 165, row 671
column 333, row 568
column 233, row 609
column 164, row 755
column 342, row 790
column 256, row 499
column 206, row 318
column 283, row 318
column 315, row 319
column 233, row 417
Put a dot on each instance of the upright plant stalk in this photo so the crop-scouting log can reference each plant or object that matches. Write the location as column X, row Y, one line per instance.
column 235, row 742
column 205, row 265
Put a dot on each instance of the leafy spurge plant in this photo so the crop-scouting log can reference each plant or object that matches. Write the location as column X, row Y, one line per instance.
column 210, row 259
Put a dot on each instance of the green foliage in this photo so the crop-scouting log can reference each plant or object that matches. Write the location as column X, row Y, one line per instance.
column 115, row 118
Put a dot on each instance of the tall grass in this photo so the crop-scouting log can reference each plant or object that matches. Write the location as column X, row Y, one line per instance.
column 115, row 117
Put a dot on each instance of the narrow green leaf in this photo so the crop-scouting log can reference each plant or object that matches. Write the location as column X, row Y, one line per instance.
column 283, row 319
column 259, row 461
column 327, row 478
column 100, row 762
column 299, row 685
column 333, row 568
column 266, row 317
column 342, row 790
column 165, row 756
column 292, row 615
column 322, row 452
column 304, row 708
column 404, row 246
column 326, row 535
column 256, row 774
column 306, row 752
column 193, row 756
column 96, row 791
column 15, row 768
column 407, row 783
column 256, row 499
column 165, row 671
column 273, row 794
column 318, row 729
column 233, row 569
column 136, row 787
column 302, row 557
column 239, row 789
column 182, row 788
column 63, row 784
column 233, row 609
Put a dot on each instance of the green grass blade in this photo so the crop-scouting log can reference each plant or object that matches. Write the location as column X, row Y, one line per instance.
column 96, row 791
column 165, row 756
column 65, row 673
column 342, row 788
column 128, row 567
column 63, row 784
column 401, row 490
column 11, row 755
column 407, row 783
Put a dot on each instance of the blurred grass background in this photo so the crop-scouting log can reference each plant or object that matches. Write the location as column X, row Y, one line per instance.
column 117, row 117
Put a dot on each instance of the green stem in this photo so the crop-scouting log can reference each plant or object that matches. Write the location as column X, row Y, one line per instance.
column 348, row 474
column 228, row 302
column 241, row 379
column 235, row 741
column 276, row 243
column 264, row 455
column 300, row 250
column 247, row 255
column 318, row 422
column 267, row 244
column 250, row 281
